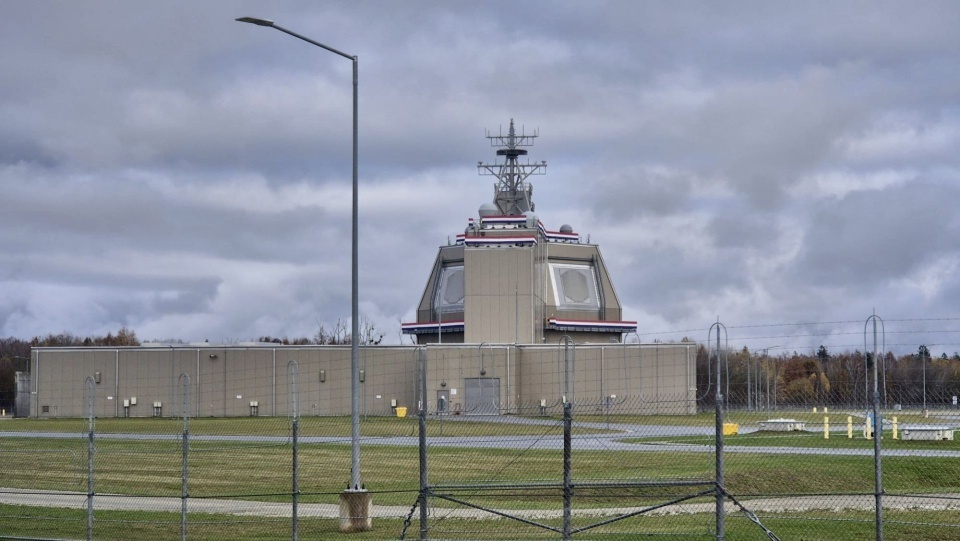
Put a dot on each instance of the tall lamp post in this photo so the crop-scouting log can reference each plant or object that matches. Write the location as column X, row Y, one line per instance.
column 356, row 486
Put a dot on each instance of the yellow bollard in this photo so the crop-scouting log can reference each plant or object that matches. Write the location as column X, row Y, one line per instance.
column 826, row 427
column 814, row 409
column 850, row 427
column 826, row 410
column 894, row 427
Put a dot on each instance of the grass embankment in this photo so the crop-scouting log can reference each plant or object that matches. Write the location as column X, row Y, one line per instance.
column 31, row 522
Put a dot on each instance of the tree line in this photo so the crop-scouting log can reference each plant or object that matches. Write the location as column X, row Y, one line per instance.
column 761, row 381
column 15, row 355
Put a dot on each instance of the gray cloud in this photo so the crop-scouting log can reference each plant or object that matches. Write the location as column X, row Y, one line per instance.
column 164, row 167
column 880, row 235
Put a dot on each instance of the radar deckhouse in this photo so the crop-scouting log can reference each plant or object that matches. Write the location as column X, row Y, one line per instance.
column 508, row 279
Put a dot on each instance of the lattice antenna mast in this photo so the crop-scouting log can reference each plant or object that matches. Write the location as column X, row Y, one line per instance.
column 512, row 194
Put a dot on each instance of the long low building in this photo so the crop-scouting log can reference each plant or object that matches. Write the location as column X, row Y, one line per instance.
column 263, row 380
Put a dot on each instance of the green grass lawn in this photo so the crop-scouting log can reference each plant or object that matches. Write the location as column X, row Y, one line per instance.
column 33, row 522
column 259, row 471
column 262, row 472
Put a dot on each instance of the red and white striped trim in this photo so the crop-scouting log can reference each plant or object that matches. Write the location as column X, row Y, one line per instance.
column 558, row 324
column 529, row 240
column 430, row 327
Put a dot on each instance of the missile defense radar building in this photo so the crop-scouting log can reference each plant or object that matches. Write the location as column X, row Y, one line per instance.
column 510, row 279
column 515, row 317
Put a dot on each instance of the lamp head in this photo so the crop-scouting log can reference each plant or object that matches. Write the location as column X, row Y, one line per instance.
column 256, row 21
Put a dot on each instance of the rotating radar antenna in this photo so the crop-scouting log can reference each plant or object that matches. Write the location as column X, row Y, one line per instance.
column 512, row 194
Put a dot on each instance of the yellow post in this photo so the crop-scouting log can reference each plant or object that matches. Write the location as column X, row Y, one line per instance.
column 814, row 409
column 850, row 427
column 826, row 410
column 826, row 427
column 894, row 427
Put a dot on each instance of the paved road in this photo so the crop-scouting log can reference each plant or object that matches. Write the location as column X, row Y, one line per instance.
column 580, row 442
column 76, row 500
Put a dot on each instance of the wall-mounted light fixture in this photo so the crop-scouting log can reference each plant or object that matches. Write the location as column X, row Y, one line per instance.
column 323, row 376
column 443, row 383
column 363, row 375
column 213, row 355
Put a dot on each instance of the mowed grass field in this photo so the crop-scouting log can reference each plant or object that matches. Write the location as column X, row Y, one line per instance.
column 371, row 426
column 262, row 472
column 39, row 523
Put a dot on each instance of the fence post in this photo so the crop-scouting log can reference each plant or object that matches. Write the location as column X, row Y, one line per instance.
column 422, row 425
column 296, row 477
column 719, row 398
column 567, row 484
column 184, row 381
column 91, row 390
column 292, row 368
column 877, row 427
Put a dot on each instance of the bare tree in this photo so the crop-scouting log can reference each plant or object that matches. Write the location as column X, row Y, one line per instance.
column 339, row 334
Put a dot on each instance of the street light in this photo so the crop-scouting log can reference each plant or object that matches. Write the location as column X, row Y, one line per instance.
column 355, row 482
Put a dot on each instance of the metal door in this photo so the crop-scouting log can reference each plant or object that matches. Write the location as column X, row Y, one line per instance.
column 481, row 396
column 443, row 401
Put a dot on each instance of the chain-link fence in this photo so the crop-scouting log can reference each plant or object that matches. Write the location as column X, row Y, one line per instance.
column 567, row 441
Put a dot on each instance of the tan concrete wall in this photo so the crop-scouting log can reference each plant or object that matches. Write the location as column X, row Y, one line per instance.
column 224, row 380
column 498, row 287
column 449, row 367
column 647, row 379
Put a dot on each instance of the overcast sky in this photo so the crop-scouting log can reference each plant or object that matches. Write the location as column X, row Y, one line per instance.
column 776, row 165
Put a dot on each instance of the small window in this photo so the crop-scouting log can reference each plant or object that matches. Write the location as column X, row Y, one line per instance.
column 46, row 409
